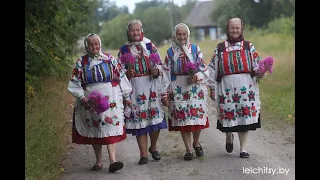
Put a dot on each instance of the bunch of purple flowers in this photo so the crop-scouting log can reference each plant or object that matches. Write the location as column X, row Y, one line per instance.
column 155, row 59
column 98, row 102
column 191, row 68
column 266, row 65
column 128, row 60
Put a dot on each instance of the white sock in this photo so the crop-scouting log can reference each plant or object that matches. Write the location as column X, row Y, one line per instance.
column 243, row 136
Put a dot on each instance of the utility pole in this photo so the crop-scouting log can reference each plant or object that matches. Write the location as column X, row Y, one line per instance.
column 170, row 8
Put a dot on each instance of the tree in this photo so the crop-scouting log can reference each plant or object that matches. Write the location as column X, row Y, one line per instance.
column 52, row 29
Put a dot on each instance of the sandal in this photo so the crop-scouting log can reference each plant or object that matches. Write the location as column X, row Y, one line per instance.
column 155, row 154
column 199, row 150
column 96, row 167
column 229, row 146
column 188, row 156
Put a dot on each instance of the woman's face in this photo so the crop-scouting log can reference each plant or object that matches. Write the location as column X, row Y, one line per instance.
column 234, row 28
column 93, row 44
column 135, row 31
column 182, row 34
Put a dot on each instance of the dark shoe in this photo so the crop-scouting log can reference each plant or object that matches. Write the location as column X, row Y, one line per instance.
column 199, row 150
column 244, row 155
column 96, row 167
column 115, row 166
column 229, row 146
column 143, row 160
column 155, row 154
column 188, row 156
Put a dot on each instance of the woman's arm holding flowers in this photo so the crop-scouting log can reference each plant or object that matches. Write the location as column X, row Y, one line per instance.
column 203, row 74
column 212, row 68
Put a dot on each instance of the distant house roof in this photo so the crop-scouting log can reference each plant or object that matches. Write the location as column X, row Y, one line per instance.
column 200, row 14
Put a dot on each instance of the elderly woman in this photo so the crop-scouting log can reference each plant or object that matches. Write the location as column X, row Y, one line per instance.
column 233, row 81
column 147, row 81
column 188, row 112
column 99, row 72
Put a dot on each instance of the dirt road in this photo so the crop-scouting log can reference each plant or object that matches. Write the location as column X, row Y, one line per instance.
column 272, row 157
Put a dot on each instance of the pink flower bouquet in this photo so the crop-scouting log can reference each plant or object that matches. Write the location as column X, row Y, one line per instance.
column 98, row 102
column 191, row 68
column 266, row 65
column 154, row 58
column 128, row 60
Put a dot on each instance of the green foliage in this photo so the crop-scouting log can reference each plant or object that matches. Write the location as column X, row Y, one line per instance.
column 113, row 33
column 282, row 25
column 257, row 15
column 156, row 24
column 45, row 130
column 51, row 31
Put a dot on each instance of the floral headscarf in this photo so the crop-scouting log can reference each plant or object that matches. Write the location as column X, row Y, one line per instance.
column 240, row 38
column 143, row 40
column 176, row 46
column 100, row 54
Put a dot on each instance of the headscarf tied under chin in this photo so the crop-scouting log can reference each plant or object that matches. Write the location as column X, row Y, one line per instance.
column 99, row 54
column 96, row 58
column 176, row 46
column 240, row 38
column 142, row 43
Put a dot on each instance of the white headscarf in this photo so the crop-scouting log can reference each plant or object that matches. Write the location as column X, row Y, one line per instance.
column 141, row 43
column 96, row 58
column 176, row 46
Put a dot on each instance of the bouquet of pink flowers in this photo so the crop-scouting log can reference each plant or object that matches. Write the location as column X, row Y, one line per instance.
column 155, row 59
column 191, row 68
column 128, row 60
column 98, row 102
column 265, row 65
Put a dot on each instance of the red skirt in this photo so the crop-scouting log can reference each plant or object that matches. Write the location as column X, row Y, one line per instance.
column 78, row 139
column 188, row 128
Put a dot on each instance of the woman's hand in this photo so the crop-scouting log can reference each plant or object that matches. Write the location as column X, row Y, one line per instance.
column 165, row 101
column 128, row 103
column 86, row 104
column 155, row 71
column 192, row 79
column 212, row 95
column 131, row 72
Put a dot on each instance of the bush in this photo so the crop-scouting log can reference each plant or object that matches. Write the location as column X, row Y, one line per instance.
column 282, row 25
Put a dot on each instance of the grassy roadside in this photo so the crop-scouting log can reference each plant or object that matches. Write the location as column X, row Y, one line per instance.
column 46, row 130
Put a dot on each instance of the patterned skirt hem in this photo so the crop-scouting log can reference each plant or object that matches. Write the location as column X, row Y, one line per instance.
column 78, row 139
column 188, row 128
column 148, row 129
column 240, row 128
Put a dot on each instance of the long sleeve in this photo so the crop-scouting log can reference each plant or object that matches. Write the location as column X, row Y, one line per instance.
column 74, row 86
column 167, row 72
column 164, row 79
column 203, row 73
column 125, row 85
column 212, row 68
column 255, row 61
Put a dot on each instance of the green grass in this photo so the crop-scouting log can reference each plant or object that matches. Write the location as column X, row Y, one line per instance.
column 45, row 131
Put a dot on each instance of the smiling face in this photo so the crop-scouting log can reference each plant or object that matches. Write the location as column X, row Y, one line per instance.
column 182, row 34
column 235, row 28
column 93, row 44
column 135, row 31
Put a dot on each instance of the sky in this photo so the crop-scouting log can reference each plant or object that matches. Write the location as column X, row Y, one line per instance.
column 131, row 3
